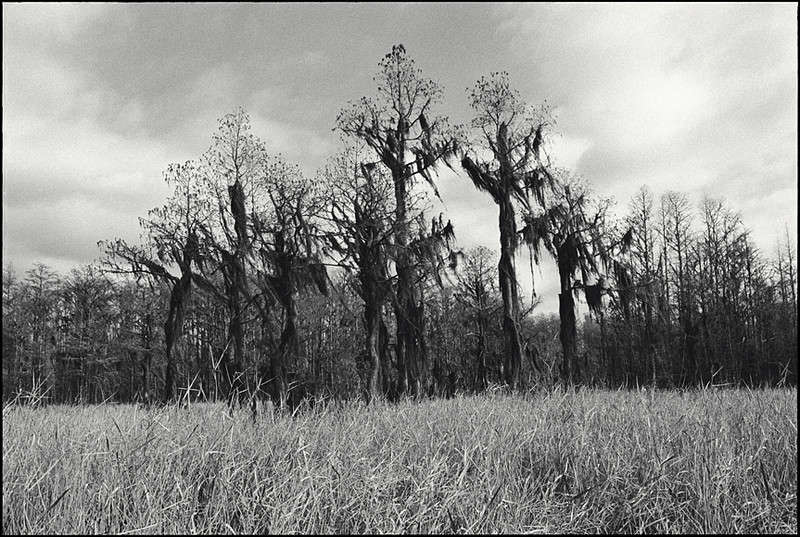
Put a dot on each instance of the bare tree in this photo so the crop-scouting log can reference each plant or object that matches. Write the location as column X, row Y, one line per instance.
column 477, row 292
column 41, row 300
column 677, row 238
column 641, row 220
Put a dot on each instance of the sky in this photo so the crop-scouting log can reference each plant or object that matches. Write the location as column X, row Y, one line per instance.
column 99, row 98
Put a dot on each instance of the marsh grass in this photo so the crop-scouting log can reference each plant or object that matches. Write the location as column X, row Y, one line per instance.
column 587, row 461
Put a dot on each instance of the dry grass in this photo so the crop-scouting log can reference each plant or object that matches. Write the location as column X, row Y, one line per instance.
column 591, row 461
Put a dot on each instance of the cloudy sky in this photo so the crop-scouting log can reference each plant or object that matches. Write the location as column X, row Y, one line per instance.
column 98, row 99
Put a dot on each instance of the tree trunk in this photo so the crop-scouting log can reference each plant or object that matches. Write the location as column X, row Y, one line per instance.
column 173, row 327
column 410, row 329
column 232, row 358
column 287, row 348
column 404, row 298
column 410, row 348
column 480, row 379
column 271, row 372
column 236, row 333
column 383, row 347
column 373, row 325
column 611, row 363
column 508, row 288
column 567, row 333
column 566, row 312
column 237, row 286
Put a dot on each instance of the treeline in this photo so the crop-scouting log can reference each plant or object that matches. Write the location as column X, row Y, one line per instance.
column 255, row 278
column 695, row 301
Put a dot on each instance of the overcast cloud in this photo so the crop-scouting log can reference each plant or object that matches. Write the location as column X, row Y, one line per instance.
column 98, row 99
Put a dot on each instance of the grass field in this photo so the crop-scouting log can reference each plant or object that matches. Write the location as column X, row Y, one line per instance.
column 586, row 461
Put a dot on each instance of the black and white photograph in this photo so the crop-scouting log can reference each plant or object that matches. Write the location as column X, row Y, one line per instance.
column 399, row 268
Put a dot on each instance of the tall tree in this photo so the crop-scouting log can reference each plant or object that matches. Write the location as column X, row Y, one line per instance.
column 231, row 168
column 641, row 220
column 42, row 285
column 409, row 141
column 12, row 331
column 512, row 132
column 678, row 236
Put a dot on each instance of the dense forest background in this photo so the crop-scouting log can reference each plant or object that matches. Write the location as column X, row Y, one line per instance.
column 253, row 278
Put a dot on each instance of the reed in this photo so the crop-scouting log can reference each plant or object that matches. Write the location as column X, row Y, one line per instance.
column 591, row 461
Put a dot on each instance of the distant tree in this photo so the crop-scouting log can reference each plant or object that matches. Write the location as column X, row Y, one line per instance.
column 788, row 261
column 40, row 303
column 784, row 268
column 477, row 291
column 677, row 238
column 87, row 329
column 332, row 337
column 642, row 222
column 135, row 340
column 13, row 331
column 791, row 272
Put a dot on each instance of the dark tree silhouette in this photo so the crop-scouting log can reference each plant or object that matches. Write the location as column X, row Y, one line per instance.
column 573, row 230
column 290, row 256
column 405, row 137
column 363, row 224
column 231, row 167
column 512, row 132
column 170, row 237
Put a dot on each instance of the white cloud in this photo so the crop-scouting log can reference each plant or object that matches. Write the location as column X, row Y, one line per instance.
column 650, row 108
column 566, row 151
column 695, row 98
